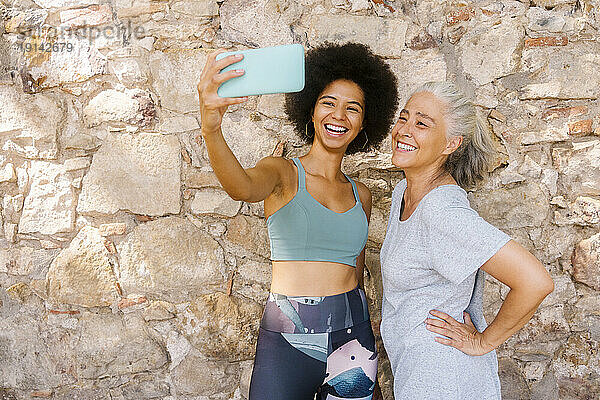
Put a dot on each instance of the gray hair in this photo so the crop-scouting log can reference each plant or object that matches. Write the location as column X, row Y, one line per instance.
column 471, row 160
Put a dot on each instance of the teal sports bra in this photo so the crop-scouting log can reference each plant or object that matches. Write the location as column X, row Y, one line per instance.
column 306, row 230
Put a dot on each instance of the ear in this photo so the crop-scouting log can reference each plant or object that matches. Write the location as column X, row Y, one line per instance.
column 452, row 144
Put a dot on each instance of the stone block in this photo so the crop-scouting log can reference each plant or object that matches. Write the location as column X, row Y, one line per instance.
column 385, row 36
column 493, row 53
column 82, row 274
column 133, row 106
column 579, row 167
column 586, row 262
column 138, row 172
column 170, row 259
column 221, row 326
column 210, row 201
column 48, row 207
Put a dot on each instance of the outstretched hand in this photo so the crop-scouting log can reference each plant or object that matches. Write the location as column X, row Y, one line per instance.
column 462, row 336
column 213, row 107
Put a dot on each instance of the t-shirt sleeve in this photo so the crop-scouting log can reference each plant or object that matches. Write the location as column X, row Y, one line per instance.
column 460, row 241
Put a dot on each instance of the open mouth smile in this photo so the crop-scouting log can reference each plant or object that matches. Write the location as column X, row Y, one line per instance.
column 405, row 147
column 335, row 130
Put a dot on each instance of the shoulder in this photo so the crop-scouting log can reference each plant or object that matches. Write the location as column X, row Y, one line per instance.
column 364, row 193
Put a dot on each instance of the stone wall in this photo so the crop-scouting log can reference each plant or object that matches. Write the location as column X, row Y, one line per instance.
column 127, row 273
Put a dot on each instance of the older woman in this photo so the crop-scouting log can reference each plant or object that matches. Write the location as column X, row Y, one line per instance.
column 435, row 253
column 315, row 334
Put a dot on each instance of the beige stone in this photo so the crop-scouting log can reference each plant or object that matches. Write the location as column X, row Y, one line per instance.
column 254, row 23
column 198, row 375
column 82, row 274
column 138, row 172
column 197, row 8
column 492, row 54
column 170, row 259
column 222, row 326
column 431, row 66
column 579, row 167
column 586, row 211
column 30, row 123
column 89, row 16
column 248, row 141
column 250, row 234
column 78, row 65
column 210, row 201
column 132, row 106
column 385, row 36
column 111, row 345
column 176, row 74
column 48, row 207
column 567, row 73
column 586, row 262
column 525, row 205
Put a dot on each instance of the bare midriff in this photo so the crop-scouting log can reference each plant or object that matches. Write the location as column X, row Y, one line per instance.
column 312, row 278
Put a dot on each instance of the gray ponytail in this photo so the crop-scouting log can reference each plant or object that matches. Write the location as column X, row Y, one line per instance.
column 471, row 160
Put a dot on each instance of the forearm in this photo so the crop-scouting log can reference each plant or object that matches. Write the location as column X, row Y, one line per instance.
column 516, row 311
column 229, row 172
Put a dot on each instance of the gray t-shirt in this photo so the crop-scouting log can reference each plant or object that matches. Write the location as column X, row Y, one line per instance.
column 431, row 261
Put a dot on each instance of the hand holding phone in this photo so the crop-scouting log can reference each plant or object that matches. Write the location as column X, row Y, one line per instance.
column 213, row 107
column 277, row 69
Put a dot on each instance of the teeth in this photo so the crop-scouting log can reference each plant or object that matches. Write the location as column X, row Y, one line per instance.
column 405, row 147
column 334, row 128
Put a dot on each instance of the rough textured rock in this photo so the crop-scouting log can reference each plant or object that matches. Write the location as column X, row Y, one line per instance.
column 211, row 201
column 522, row 206
column 139, row 173
column 176, row 74
column 125, row 347
column 382, row 35
column 554, row 76
column 82, row 274
column 254, row 23
column 170, row 259
column 197, row 374
column 222, row 326
column 496, row 49
column 81, row 63
column 247, row 140
column 586, row 262
column 48, row 207
column 131, row 106
column 30, row 124
column 579, row 167
column 249, row 234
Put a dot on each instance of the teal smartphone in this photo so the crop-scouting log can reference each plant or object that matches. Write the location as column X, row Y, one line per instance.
column 277, row 69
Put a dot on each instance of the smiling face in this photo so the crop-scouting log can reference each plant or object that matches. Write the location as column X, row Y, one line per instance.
column 339, row 113
column 419, row 137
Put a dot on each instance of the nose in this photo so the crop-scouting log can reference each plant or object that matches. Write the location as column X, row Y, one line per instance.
column 402, row 129
column 338, row 113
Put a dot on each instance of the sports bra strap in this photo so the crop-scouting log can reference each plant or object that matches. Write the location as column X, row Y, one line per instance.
column 354, row 188
column 301, row 173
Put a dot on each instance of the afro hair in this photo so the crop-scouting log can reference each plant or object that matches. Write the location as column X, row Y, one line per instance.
column 357, row 63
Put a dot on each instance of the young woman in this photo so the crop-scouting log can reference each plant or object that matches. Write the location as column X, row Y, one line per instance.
column 315, row 334
column 435, row 253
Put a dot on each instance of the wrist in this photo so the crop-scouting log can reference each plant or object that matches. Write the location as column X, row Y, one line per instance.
column 205, row 132
column 487, row 343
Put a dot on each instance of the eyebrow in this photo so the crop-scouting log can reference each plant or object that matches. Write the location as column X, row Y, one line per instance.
column 420, row 114
column 350, row 102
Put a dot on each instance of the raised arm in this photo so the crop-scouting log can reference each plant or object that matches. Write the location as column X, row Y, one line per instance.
column 529, row 284
column 253, row 184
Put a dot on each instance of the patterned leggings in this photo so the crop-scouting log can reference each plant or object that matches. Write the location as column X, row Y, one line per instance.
column 315, row 345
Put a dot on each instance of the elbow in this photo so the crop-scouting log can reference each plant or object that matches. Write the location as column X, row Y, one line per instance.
column 547, row 286
column 238, row 195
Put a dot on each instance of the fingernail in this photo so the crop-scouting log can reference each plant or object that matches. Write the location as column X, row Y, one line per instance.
column 239, row 71
column 238, row 56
